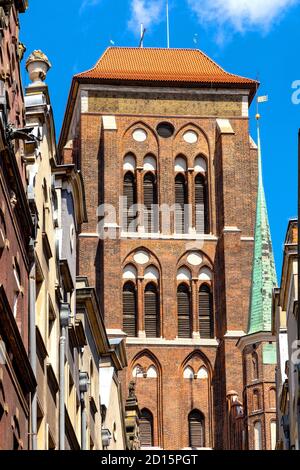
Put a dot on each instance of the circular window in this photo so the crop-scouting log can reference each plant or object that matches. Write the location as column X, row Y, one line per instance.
column 139, row 135
column 190, row 137
column 141, row 257
column 195, row 259
column 165, row 129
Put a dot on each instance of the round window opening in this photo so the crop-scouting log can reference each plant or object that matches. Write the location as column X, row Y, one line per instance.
column 165, row 129
column 139, row 135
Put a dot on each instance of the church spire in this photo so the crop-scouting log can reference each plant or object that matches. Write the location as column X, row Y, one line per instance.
column 264, row 277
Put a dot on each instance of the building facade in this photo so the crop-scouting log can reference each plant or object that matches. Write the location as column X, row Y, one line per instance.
column 161, row 137
column 68, row 340
column 286, row 330
column 17, row 381
column 258, row 347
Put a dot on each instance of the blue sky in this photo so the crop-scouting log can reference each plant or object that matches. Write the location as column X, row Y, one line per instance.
column 255, row 38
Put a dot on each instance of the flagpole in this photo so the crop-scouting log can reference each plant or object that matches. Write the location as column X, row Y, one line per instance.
column 168, row 26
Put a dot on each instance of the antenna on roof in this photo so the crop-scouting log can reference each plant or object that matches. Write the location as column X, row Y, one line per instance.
column 143, row 31
column 168, row 25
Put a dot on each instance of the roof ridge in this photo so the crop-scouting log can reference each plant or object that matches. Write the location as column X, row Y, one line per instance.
column 160, row 64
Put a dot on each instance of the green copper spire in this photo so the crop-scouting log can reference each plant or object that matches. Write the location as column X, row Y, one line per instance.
column 264, row 277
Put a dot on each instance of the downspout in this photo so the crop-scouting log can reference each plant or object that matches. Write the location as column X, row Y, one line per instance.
column 32, row 346
column 83, row 422
column 83, row 388
column 64, row 323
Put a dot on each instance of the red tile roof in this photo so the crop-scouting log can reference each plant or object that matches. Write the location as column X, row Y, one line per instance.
column 162, row 65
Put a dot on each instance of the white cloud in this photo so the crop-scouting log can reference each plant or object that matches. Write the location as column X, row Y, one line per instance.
column 88, row 3
column 147, row 12
column 243, row 15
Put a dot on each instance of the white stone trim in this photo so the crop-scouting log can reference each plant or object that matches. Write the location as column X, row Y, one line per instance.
column 84, row 101
column 143, row 89
column 259, row 337
column 252, row 143
column 116, row 333
column 247, row 239
column 224, row 126
column 173, row 342
column 88, row 235
column 175, row 236
column 234, row 334
column 109, row 123
column 245, row 106
column 231, row 229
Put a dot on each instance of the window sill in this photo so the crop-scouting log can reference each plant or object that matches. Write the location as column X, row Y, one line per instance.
column 174, row 236
column 174, row 342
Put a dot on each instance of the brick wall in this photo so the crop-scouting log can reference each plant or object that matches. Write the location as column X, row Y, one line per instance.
column 232, row 183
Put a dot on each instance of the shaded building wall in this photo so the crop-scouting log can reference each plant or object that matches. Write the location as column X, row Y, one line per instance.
column 16, row 227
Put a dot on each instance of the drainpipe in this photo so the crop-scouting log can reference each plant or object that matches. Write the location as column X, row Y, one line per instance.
column 83, row 422
column 83, row 388
column 64, row 323
column 32, row 346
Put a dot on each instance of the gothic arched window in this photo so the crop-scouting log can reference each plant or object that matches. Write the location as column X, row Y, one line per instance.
column 196, row 430
column 255, row 371
column 181, row 199
column 151, row 306
column 130, row 199
column 129, row 309
column 146, row 428
column 206, row 323
column 150, row 203
column 201, row 204
column 257, row 436
column 184, row 311
column 256, row 400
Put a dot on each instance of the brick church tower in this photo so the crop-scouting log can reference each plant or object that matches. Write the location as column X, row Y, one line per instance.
column 168, row 130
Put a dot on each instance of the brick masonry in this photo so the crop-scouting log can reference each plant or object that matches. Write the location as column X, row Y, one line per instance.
column 232, row 183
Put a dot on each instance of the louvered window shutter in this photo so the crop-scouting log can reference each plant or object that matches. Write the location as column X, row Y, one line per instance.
column 150, row 201
column 201, row 202
column 180, row 200
column 184, row 312
column 146, row 429
column 129, row 310
column 130, row 200
column 206, row 325
column 151, row 304
column 196, row 430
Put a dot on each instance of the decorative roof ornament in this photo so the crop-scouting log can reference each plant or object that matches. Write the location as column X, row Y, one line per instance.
column 37, row 65
column 264, row 277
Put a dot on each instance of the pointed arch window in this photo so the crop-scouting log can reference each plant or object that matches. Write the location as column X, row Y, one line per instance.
column 206, row 321
column 196, row 430
column 130, row 199
column 129, row 309
column 201, row 203
column 181, row 200
column 255, row 371
column 257, row 436
column 184, row 311
column 256, row 400
column 151, row 306
column 150, row 203
column 146, row 428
